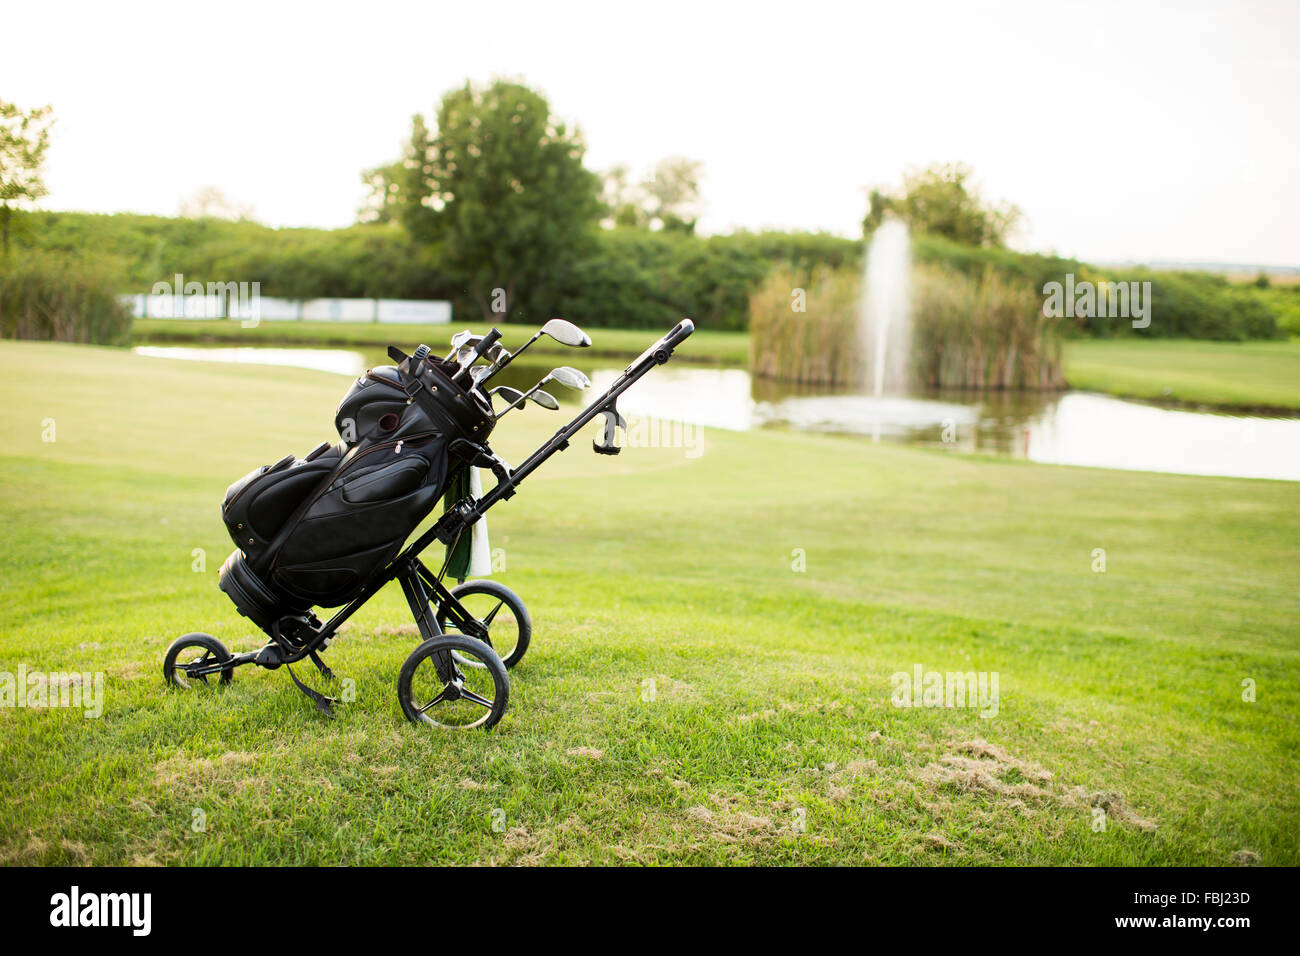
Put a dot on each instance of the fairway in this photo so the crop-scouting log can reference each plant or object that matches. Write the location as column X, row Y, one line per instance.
column 1249, row 375
column 710, row 674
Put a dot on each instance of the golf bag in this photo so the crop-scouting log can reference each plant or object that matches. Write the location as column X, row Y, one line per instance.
column 313, row 531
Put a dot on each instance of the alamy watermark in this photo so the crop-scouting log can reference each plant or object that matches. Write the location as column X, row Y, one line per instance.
column 922, row 688
column 649, row 432
column 78, row 691
column 179, row 299
column 1112, row 300
column 132, row 911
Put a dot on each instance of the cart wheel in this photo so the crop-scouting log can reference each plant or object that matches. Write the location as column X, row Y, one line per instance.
column 436, row 688
column 501, row 611
column 191, row 658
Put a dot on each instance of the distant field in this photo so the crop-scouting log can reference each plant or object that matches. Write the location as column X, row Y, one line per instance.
column 1259, row 375
column 705, row 345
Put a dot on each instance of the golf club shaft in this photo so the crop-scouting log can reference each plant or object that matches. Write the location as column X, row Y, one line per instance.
column 510, row 357
column 657, row 354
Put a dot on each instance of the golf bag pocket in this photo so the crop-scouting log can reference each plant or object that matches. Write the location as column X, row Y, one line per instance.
column 257, row 506
column 251, row 596
column 386, row 482
column 355, row 525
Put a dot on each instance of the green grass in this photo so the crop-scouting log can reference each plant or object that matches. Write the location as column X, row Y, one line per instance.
column 707, row 345
column 770, row 737
column 1252, row 375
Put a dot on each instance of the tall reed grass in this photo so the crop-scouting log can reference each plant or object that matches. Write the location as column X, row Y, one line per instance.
column 986, row 333
column 816, row 346
column 61, row 298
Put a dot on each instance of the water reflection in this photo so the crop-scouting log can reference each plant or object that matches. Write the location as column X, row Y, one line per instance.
column 1074, row 428
column 323, row 360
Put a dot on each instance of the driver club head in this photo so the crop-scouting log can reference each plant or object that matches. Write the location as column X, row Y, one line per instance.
column 566, row 333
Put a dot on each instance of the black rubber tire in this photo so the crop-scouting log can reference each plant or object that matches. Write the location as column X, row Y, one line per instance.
column 196, row 639
column 457, row 644
column 512, row 600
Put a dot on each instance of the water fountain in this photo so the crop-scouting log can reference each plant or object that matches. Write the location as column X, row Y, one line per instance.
column 884, row 328
column 883, row 321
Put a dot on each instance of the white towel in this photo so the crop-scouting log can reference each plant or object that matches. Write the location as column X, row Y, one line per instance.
column 480, row 552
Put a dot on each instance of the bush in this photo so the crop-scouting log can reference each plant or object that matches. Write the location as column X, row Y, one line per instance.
column 641, row 279
column 63, row 299
column 1284, row 301
column 632, row 278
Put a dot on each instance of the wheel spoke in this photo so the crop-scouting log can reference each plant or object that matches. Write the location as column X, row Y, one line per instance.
column 195, row 664
column 487, row 621
column 476, row 698
column 437, row 700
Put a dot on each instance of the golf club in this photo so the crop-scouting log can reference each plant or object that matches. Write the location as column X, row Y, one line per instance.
column 518, row 399
column 564, row 332
column 457, row 341
column 483, row 345
column 566, row 376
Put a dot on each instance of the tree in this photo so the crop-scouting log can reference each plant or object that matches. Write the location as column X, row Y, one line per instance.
column 668, row 198
column 24, row 138
column 209, row 202
column 673, row 193
column 500, row 188
column 383, row 199
column 939, row 201
column 622, row 197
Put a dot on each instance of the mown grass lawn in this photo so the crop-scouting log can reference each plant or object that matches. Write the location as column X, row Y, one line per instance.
column 1262, row 375
column 689, row 696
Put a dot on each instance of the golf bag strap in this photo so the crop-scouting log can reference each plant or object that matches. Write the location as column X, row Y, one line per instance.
column 417, row 392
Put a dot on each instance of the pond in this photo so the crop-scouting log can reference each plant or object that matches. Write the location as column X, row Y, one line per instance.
column 1071, row 428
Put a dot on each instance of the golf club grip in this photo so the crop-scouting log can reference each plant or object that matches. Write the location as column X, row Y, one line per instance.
column 679, row 333
column 486, row 343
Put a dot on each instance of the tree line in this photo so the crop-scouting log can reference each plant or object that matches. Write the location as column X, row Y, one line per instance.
column 490, row 205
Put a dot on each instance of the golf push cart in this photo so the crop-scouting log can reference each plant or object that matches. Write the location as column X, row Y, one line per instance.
column 327, row 530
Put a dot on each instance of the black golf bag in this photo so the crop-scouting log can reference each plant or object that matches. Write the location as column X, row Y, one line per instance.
column 313, row 531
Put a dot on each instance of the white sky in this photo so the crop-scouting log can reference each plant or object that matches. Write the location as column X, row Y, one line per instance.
column 1124, row 131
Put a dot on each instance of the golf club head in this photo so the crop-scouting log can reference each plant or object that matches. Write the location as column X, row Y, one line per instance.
column 566, row 333
column 511, row 396
column 570, row 378
column 458, row 340
column 546, row 400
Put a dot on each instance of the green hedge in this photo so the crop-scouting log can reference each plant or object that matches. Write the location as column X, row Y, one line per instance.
column 634, row 278
column 1197, row 305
